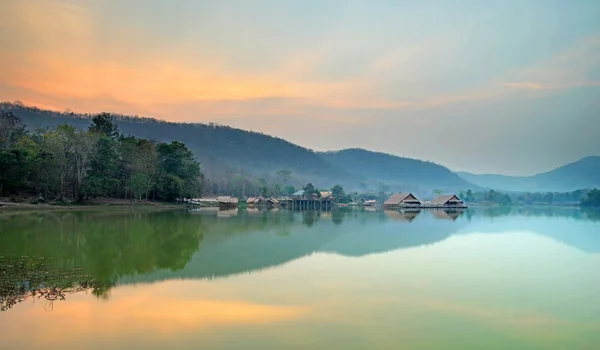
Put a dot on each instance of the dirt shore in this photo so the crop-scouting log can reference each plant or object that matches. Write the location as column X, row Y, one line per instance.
column 95, row 204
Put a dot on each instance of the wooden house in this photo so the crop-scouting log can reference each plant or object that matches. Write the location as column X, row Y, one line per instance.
column 448, row 201
column 402, row 200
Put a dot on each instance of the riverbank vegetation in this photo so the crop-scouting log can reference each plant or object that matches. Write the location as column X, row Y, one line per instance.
column 64, row 164
column 525, row 198
column 592, row 200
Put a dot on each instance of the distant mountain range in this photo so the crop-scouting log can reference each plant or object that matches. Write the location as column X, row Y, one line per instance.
column 582, row 174
column 226, row 153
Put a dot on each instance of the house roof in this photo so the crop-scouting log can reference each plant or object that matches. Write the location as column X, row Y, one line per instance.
column 227, row 199
column 325, row 194
column 250, row 200
column 443, row 199
column 397, row 198
column 298, row 193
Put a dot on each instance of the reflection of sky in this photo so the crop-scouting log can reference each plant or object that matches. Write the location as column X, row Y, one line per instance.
column 517, row 70
column 514, row 289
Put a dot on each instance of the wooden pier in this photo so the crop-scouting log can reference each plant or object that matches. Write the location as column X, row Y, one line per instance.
column 307, row 204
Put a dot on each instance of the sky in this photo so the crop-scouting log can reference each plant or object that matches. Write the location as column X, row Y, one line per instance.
column 509, row 87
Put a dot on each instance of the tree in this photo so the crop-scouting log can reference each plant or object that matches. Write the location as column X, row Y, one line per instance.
column 141, row 184
column 262, row 187
column 309, row 189
column 101, row 177
column 170, row 187
column 275, row 191
column 338, row 192
column 289, row 190
column 102, row 124
column 11, row 129
column 176, row 161
column 592, row 200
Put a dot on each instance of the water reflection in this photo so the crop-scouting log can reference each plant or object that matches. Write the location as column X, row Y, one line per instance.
column 139, row 247
column 27, row 278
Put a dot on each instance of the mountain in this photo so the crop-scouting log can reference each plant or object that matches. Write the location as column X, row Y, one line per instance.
column 581, row 174
column 391, row 169
column 226, row 153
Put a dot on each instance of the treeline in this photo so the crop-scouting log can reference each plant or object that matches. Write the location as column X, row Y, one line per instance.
column 592, row 200
column 526, row 198
column 67, row 164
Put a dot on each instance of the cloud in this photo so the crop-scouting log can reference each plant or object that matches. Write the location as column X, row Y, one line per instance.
column 569, row 69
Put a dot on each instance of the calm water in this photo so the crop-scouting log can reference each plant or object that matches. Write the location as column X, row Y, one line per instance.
column 499, row 279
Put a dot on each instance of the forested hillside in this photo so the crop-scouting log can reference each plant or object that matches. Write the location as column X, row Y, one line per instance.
column 240, row 162
column 581, row 174
column 402, row 173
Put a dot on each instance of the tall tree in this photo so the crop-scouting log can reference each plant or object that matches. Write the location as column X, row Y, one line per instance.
column 11, row 129
column 102, row 124
column 101, row 177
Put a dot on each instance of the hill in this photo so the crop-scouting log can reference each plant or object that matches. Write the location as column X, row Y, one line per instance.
column 403, row 173
column 228, row 154
column 577, row 175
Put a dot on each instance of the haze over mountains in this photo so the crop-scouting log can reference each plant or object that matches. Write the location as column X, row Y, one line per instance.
column 226, row 153
column 584, row 173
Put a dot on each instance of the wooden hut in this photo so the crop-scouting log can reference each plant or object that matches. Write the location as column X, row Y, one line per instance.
column 402, row 200
column 448, row 201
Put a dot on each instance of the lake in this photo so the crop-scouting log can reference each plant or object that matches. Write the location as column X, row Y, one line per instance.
column 504, row 278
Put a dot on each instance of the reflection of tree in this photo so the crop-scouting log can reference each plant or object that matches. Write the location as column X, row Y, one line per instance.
column 32, row 278
column 592, row 213
column 107, row 245
column 309, row 218
column 337, row 216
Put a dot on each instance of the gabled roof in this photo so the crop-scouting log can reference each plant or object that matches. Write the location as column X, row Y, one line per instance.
column 227, row 199
column 326, row 194
column 397, row 198
column 298, row 193
column 251, row 200
column 443, row 199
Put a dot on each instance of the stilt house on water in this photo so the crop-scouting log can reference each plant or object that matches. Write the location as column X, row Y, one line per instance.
column 448, row 201
column 402, row 200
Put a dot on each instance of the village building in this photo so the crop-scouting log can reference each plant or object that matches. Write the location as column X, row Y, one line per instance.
column 448, row 201
column 402, row 200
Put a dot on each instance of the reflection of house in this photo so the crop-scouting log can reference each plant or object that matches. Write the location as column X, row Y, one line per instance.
column 448, row 201
column 407, row 216
column 446, row 214
column 399, row 200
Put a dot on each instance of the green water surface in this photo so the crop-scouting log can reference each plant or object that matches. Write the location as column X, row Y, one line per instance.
column 517, row 278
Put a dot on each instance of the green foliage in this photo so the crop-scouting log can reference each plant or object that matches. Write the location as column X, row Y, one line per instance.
column 178, row 171
column 102, row 124
column 65, row 163
column 309, row 189
column 527, row 198
column 592, row 200
column 226, row 153
column 170, row 187
column 141, row 183
column 289, row 190
column 101, row 176
column 338, row 191
column 11, row 129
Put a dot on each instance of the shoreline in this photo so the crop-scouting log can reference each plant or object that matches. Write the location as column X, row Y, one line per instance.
column 105, row 204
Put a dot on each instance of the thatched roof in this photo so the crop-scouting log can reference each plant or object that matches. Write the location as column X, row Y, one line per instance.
column 444, row 199
column 398, row 198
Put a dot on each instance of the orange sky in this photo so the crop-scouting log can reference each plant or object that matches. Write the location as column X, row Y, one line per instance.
column 344, row 66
